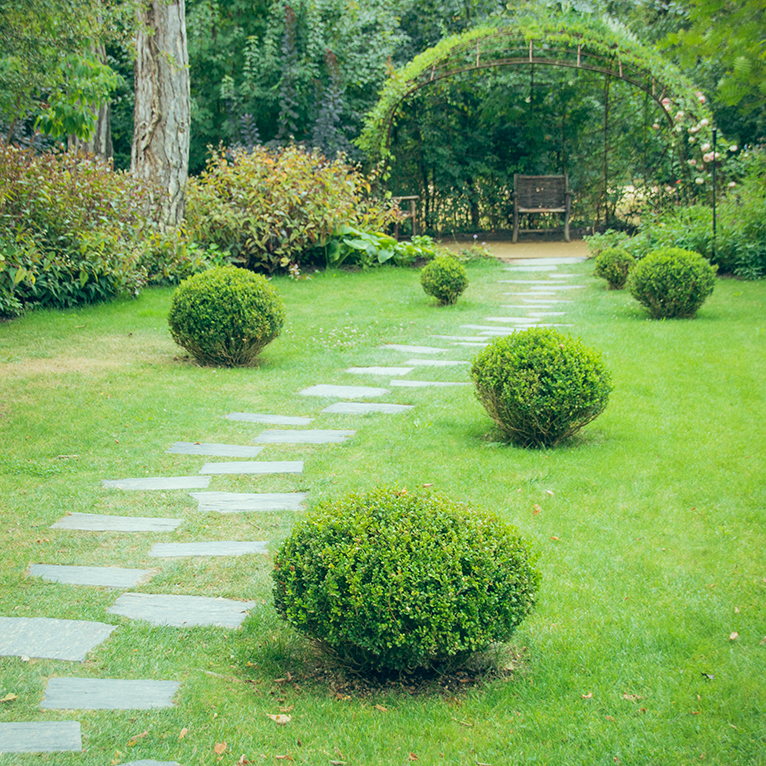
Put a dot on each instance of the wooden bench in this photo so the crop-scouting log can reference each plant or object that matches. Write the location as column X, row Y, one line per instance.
column 541, row 194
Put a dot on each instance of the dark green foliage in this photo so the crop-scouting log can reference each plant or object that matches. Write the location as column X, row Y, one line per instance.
column 672, row 283
column 445, row 278
column 225, row 316
column 614, row 265
column 389, row 581
column 540, row 386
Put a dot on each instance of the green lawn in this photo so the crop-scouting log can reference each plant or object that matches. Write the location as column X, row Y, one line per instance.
column 650, row 526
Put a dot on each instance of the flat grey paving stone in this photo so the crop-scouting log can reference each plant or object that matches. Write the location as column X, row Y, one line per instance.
column 181, row 611
column 253, row 467
column 343, row 392
column 470, row 343
column 511, row 320
column 50, row 639
column 160, row 482
column 379, row 370
column 535, row 301
column 543, row 314
column 40, row 737
column 436, row 363
column 551, row 261
column 272, row 420
column 362, row 408
column 214, row 548
column 459, row 337
column 536, row 267
column 414, row 349
column 544, row 286
column 424, row 384
column 304, row 437
column 105, row 577
column 243, row 502
column 214, row 450
column 96, row 522
column 483, row 327
column 107, row 694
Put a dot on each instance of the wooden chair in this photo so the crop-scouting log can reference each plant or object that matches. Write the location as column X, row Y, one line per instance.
column 541, row 194
column 411, row 213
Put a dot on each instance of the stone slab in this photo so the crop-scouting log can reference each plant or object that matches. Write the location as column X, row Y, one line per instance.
column 379, row 370
column 40, row 737
column 424, row 384
column 343, row 392
column 96, row 522
column 547, row 286
column 214, row 548
column 537, row 302
column 435, row 363
column 104, row 577
column 50, row 639
column 107, row 694
column 543, row 314
column 214, row 450
column 536, row 267
column 362, row 408
column 551, row 261
column 160, row 482
column 470, row 343
column 243, row 502
column 304, row 437
column 512, row 320
column 414, row 349
column 181, row 611
column 484, row 327
column 459, row 337
column 253, row 467
column 272, row 420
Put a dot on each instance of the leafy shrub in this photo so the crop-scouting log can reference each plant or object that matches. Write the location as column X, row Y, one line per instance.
column 74, row 226
column 225, row 316
column 351, row 246
column 170, row 257
column 389, row 581
column 272, row 208
column 540, row 386
column 445, row 278
column 672, row 283
column 614, row 265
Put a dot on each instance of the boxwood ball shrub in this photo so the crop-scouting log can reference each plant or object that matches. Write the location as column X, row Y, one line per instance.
column 614, row 265
column 445, row 278
column 225, row 316
column 389, row 581
column 672, row 282
column 540, row 386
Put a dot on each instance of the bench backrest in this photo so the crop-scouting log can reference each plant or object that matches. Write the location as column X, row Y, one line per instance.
column 540, row 192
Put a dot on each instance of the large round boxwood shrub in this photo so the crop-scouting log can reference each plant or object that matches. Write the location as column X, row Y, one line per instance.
column 392, row 581
column 445, row 278
column 614, row 264
column 225, row 316
column 540, row 386
column 672, row 282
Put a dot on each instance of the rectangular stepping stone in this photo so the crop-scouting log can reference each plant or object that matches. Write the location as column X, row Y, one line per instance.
column 254, row 467
column 550, row 261
column 470, row 343
column 181, row 611
column 49, row 638
column 272, row 420
column 511, row 320
column 435, row 363
column 40, row 737
column 215, row 450
column 414, row 349
column 105, row 577
column 543, row 314
column 304, row 437
column 216, row 548
column 95, row 522
column 379, row 370
column 537, row 302
column 536, row 267
column 458, row 337
column 424, row 384
column 242, row 502
column 362, row 408
column 344, row 392
column 484, row 327
column 161, row 482
column 547, row 286
column 107, row 694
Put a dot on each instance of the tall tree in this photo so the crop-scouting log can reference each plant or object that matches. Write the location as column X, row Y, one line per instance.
column 160, row 153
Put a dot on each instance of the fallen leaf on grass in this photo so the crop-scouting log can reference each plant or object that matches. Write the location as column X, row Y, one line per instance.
column 548, row 492
column 632, row 697
column 183, row 733
column 733, row 636
column 587, row 696
column 427, row 485
column 609, row 718
column 554, row 538
column 284, row 757
column 536, row 510
column 338, row 763
column 381, row 708
column 280, row 719
column 220, row 748
column 9, row 698
column 242, row 760
column 763, row 641
column 694, row 712
column 412, row 757
column 133, row 740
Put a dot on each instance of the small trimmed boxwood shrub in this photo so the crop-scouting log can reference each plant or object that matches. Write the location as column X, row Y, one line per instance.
column 540, row 386
column 614, row 265
column 445, row 278
column 391, row 581
column 225, row 316
column 672, row 283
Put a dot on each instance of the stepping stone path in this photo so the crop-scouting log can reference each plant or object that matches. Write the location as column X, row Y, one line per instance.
column 415, row 349
column 343, row 392
column 40, row 737
column 107, row 694
column 214, row 450
column 104, row 577
column 273, row 420
column 242, row 502
column 217, row 548
column 362, row 408
column 424, row 384
column 251, row 467
column 379, row 370
column 181, row 611
column 94, row 522
column 304, row 437
column 169, row 482
column 434, row 363
column 50, row 639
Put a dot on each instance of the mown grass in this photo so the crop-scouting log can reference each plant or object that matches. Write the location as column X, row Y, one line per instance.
column 650, row 526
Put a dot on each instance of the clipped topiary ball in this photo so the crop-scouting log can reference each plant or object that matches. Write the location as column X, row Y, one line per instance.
column 445, row 278
column 225, row 316
column 614, row 265
column 672, row 282
column 390, row 581
column 540, row 386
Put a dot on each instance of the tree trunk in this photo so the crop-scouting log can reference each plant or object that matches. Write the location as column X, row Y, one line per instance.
column 100, row 144
column 160, row 153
